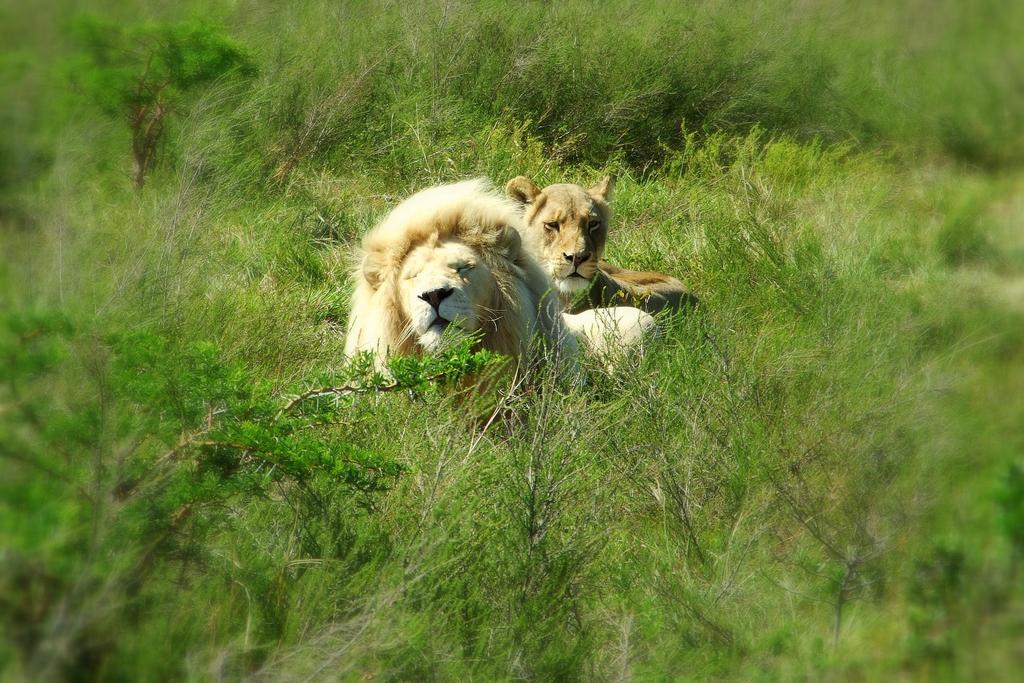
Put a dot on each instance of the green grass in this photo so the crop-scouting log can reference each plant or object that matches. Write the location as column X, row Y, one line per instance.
column 814, row 475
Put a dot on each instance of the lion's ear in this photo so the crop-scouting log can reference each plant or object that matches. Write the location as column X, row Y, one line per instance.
column 509, row 242
column 373, row 269
column 522, row 189
column 603, row 190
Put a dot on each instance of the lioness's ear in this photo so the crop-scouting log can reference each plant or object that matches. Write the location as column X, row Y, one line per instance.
column 603, row 190
column 522, row 189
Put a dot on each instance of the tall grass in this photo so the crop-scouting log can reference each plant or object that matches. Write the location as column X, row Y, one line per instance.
column 816, row 474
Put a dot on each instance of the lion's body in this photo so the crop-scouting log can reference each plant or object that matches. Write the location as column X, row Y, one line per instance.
column 450, row 259
column 565, row 226
column 613, row 335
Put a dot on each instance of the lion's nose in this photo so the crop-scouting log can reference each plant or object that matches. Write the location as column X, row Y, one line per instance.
column 577, row 258
column 435, row 296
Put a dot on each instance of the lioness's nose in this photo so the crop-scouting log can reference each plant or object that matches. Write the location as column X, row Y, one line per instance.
column 577, row 258
column 435, row 296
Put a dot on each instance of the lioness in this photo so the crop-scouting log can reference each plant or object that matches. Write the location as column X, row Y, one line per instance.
column 566, row 227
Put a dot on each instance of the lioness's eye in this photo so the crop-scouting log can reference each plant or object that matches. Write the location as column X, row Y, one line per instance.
column 594, row 225
column 551, row 225
column 464, row 268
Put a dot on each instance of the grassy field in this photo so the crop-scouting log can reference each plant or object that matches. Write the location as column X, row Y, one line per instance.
column 819, row 474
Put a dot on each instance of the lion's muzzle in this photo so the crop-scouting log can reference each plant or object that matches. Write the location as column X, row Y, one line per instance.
column 435, row 296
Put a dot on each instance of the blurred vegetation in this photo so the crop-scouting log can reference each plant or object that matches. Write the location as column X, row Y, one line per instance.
column 817, row 474
column 141, row 73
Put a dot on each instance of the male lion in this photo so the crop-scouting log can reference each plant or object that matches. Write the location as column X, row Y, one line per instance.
column 566, row 227
column 450, row 259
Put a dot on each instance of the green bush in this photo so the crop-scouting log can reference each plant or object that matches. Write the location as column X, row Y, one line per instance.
column 196, row 439
column 142, row 74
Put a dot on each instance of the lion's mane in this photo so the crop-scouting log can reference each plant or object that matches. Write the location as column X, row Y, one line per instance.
column 520, row 303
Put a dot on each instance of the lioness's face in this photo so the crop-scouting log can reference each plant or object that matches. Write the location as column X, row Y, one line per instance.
column 443, row 287
column 566, row 228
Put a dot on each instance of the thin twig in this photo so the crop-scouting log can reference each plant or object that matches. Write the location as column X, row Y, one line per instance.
column 348, row 389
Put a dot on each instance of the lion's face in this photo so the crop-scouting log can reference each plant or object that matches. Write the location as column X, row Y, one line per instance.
column 443, row 287
column 450, row 260
column 566, row 227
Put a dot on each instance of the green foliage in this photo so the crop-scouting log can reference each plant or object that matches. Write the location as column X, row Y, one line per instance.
column 143, row 73
column 239, row 432
column 1011, row 503
column 125, row 67
column 935, row 591
column 962, row 240
column 815, row 475
column 200, row 437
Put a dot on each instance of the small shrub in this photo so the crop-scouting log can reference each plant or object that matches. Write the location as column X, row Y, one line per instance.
column 144, row 73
